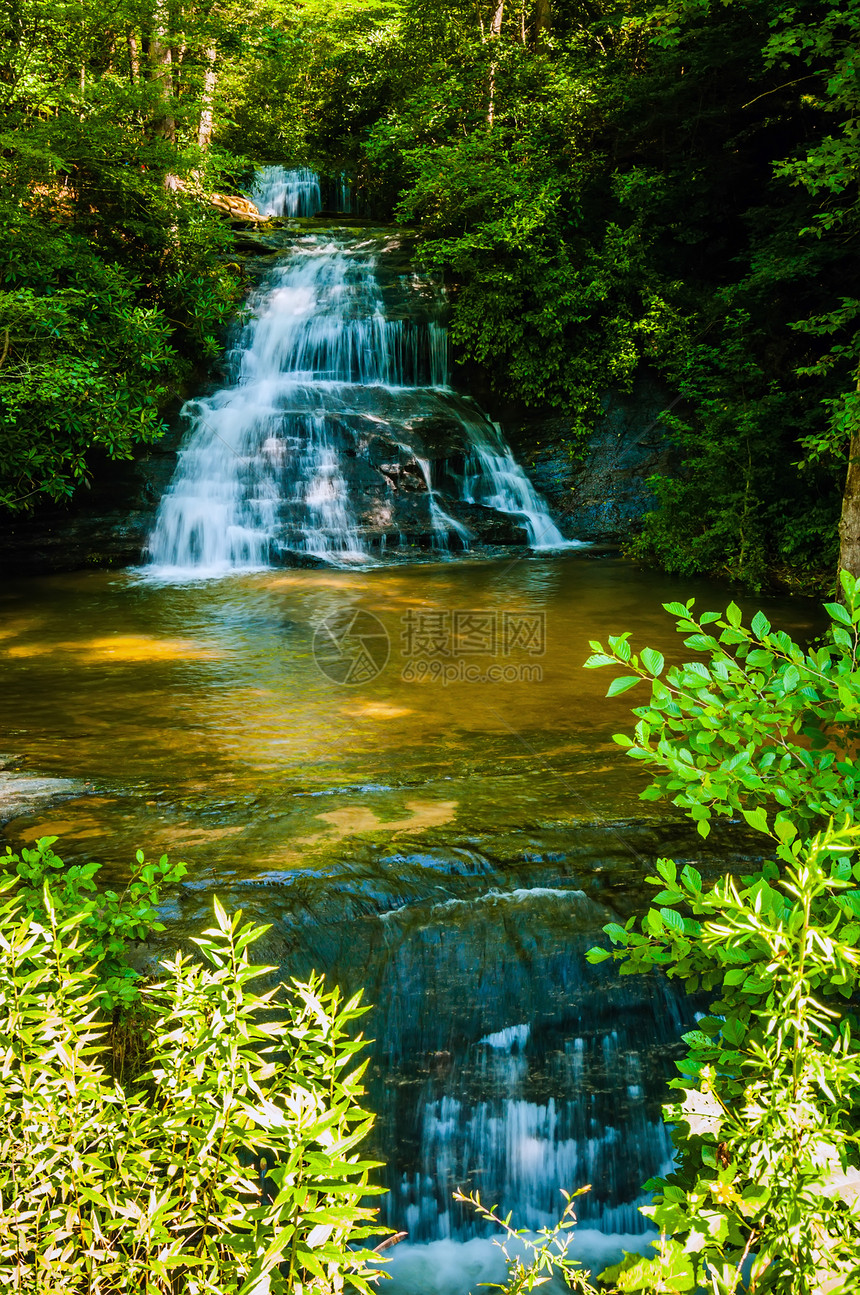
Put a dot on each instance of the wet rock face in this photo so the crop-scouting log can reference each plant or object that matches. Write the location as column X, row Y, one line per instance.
column 22, row 792
column 603, row 494
column 105, row 526
column 388, row 488
column 110, row 525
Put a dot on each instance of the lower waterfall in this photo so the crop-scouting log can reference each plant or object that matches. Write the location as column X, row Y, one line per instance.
column 337, row 436
column 533, row 1072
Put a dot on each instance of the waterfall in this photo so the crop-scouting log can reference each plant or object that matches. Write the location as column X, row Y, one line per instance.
column 562, row 1090
column 324, row 444
column 495, row 479
column 520, row 1151
column 279, row 192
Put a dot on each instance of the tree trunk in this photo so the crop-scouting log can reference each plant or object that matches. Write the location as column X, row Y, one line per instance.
column 498, row 15
column 495, row 33
column 204, row 130
column 543, row 18
column 133, row 58
column 849, row 522
column 161, row 74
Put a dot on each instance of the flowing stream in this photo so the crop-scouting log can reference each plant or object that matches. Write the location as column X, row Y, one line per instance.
column 400, row 767
column 450, row 840
column 315, row 446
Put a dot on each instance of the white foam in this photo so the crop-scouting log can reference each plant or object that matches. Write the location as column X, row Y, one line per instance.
column 458, row 1268
column 504, row 1040
column 523, row 895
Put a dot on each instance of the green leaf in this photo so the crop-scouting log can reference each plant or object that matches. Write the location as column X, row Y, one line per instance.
column 653, row 661
column 838, row 613
column 757, row 818
column 599, row 659
column 760, row 625
column 622, row 684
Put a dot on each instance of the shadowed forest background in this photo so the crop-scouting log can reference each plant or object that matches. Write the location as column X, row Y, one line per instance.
column 608, row 189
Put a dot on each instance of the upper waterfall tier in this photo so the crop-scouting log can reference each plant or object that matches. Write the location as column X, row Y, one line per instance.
column 337, row 436
column 279, row 192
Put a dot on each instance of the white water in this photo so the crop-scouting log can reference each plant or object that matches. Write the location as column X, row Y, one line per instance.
column 279, row 192
column 286, row 459
column 547, row 1077
column 458, row 1267
column 496, row 480
column 526, row 1150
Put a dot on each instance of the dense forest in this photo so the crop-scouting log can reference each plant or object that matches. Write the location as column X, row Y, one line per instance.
column 609, row 189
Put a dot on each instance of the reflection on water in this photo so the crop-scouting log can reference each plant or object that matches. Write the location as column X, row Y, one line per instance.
column 200, row 707
column 453, row 846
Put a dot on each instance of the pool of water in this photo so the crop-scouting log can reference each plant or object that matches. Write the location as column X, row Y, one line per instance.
column 208, row 724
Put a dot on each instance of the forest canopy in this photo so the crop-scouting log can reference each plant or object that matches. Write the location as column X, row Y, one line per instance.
column 608, row 189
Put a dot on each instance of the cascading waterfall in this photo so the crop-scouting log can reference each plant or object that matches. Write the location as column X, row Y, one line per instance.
column 280, row 192
column 321, row 445
column 524, row 1150
column 568, row 1094
column 495, row 479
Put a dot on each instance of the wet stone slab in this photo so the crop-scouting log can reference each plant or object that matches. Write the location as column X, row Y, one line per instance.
column 23, row 793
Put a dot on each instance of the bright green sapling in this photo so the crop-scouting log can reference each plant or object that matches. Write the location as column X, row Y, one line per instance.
column 230, row 1168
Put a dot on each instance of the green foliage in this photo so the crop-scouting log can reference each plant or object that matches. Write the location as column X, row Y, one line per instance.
column 100, row 316
column 107, row 919
column 532, row 1260
column 764, row 1196
column 760, row 727
column 114, row 274
column 765, row 1191
column 84, row 362
column 554, row 296
column 233, row 1166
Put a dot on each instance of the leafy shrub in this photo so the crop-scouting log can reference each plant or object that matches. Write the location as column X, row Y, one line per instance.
column 768, row 1178
column 761, row 724
column 765, row 1126
column 99, row 318
column 107, row 920
column 232, row 1166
